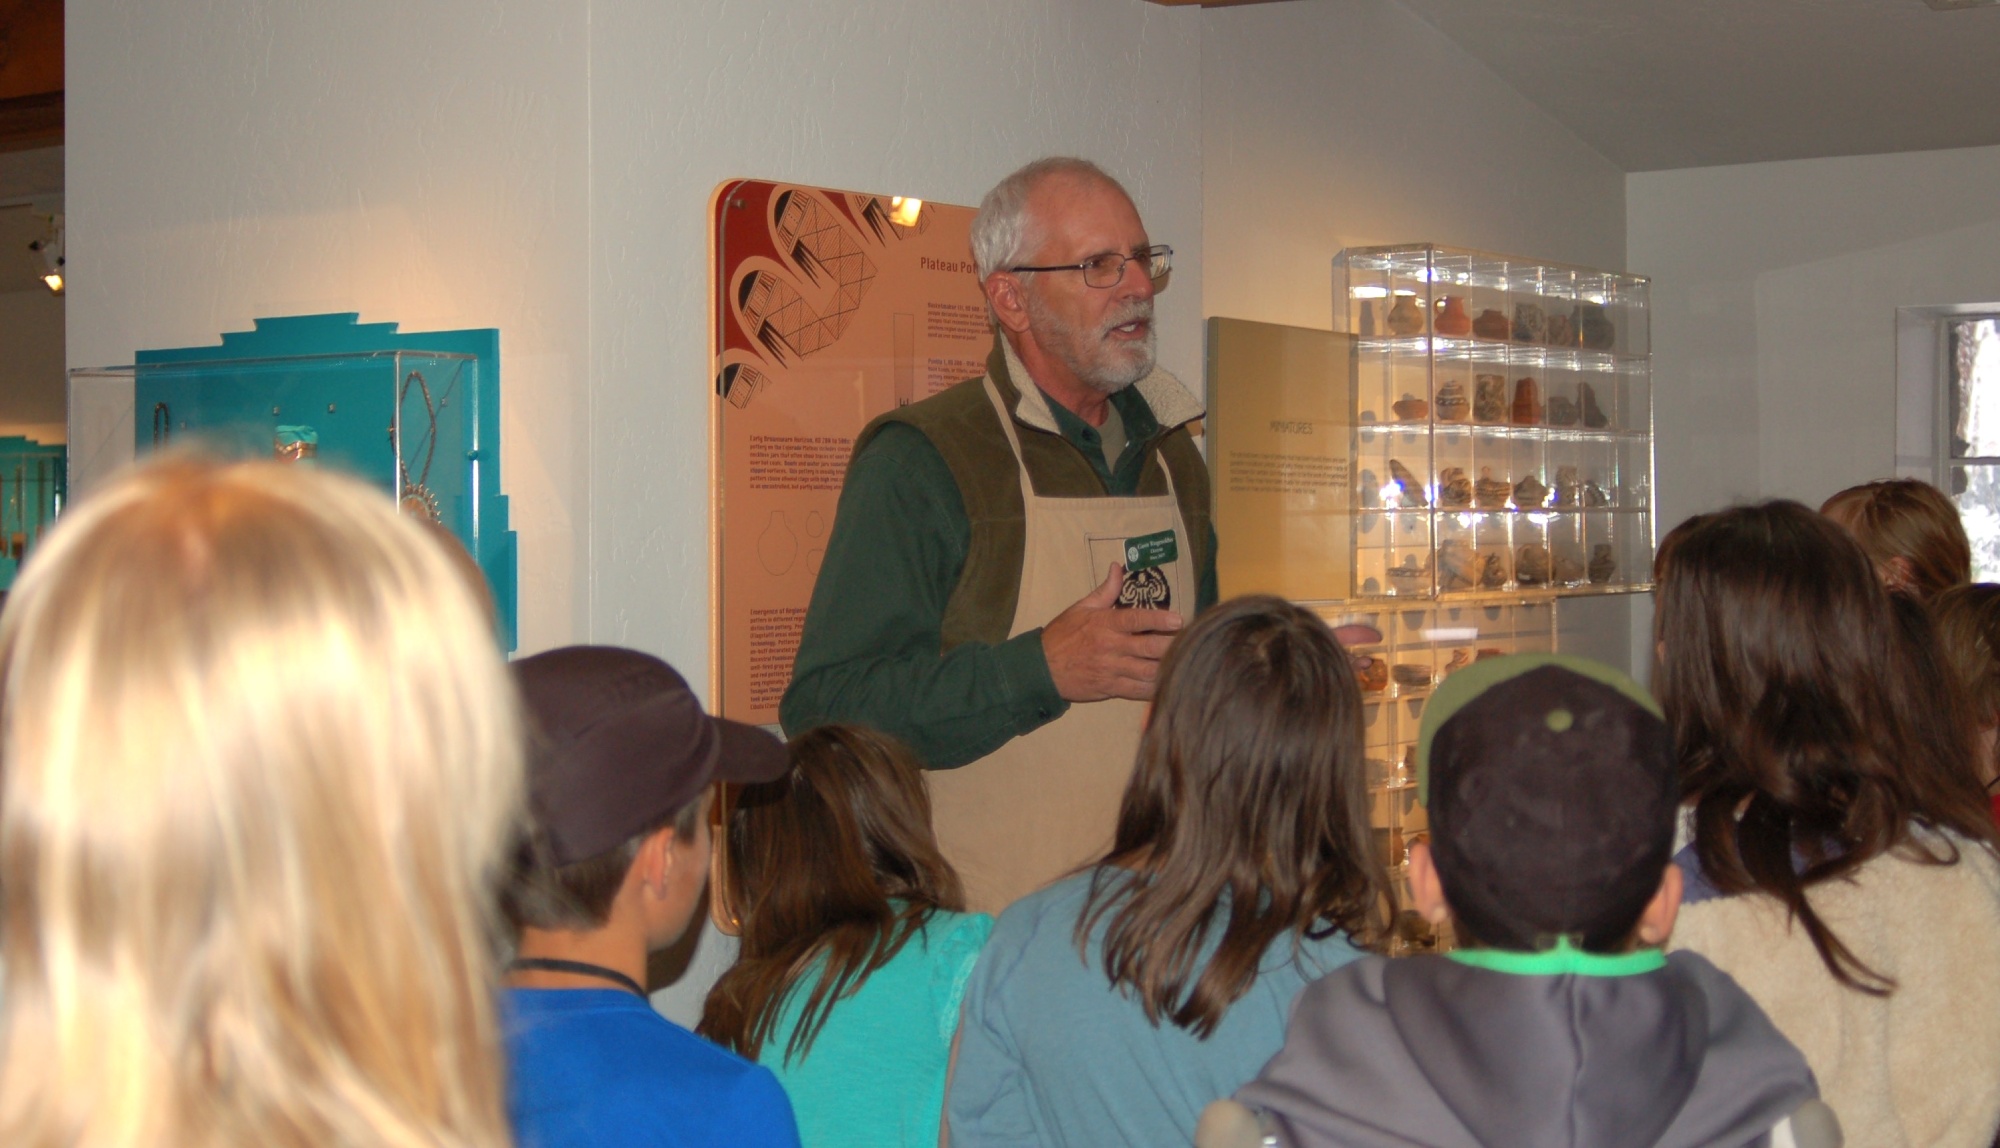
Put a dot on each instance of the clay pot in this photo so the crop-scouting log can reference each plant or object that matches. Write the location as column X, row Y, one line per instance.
column 1491, row 324
column 1452, row 319
column 1451, row 404
column 1405, row 318
column 1410, row 409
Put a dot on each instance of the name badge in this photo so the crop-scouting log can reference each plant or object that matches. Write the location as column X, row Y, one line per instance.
column 1150, row 550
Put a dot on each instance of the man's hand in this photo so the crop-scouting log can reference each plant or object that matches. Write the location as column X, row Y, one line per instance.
column 1097, row 651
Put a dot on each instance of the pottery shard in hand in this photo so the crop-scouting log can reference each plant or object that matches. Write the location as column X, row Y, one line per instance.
column 1454, row 488
column 1451, row 404
column 1489, row 399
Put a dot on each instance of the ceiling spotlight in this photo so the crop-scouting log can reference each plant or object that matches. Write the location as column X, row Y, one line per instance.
column 903, row 211
column 51, row 247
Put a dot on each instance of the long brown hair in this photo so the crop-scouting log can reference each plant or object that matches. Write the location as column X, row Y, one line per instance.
column 1793, row 690
column 1968, row 628
column 1247, row 811
column 1903, row 518
column 832, row 865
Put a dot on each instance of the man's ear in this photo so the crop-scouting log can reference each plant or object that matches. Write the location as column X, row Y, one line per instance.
column 1004, row 294
column 1425, row 888
column 656, row 860
column 1656, row 924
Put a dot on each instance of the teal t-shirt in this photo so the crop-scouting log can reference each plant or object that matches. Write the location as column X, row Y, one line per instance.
column 874, row 1076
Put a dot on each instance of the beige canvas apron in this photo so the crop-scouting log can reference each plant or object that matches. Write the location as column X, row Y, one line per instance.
column 1047, row 802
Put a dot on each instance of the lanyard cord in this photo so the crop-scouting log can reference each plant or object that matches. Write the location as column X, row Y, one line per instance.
column 582, row 969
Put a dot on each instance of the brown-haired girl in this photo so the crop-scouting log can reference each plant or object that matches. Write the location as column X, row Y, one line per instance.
column 1910, row 531
column 1110, row 1007
column 1843, row 864
column 1968, row 630
column 855, row 951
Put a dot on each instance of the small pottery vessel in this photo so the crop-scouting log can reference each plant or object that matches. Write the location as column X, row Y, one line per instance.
column 1451, row 404
column 1602, row 564
column 1411, row 491
column 1460, row 658
column 1491, row 324
column 1527, row 410
column 1410, row 408
column 1405, row 318
column 1491, row 493
column 1596, row 328
column 1492, row 570
column 1489, row 399
column 1373, row 677
column 1593, row 415
column 1569, row 488
column 1411, row 676
column 1410, row 578
column 1530, row 493
column 1451, row 319
column 1530, row 324
column 1454, row 488
column 1562, row 411
column 1456, row 565
column 1531, row 565
column 1569, row 566
column 1562, row 330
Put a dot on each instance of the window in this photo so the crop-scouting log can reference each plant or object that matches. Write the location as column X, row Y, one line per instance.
column 1971, row 353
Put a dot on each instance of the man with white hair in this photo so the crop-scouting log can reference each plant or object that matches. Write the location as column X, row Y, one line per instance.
column 1012, row 556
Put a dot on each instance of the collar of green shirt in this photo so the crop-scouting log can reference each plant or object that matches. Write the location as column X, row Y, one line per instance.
column 1120, row 476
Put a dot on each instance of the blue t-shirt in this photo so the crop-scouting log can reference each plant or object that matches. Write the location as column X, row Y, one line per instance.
column 1050, row 1054
column 598, row 1068
column 874, row 1076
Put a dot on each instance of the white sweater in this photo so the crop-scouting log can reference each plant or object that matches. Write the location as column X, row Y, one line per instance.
column 1919, row 1068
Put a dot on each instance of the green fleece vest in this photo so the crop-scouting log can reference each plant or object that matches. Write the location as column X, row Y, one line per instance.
column 960, row 422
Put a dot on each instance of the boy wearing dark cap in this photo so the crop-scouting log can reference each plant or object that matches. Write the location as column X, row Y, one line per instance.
column 1552, row 790
column 619, row 774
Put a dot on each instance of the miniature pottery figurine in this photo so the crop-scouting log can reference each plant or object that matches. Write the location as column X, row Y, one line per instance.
column 1569, row 488
column 1456, row 563
column 1530, row 493
column 1492, row 570
column 1452, row 319
column 1405, row 318
column 1459, row 660
column 1373, row 677
column 1597, row 331
column 1410, row 408
column 1451, row 404
column 1569, row 566
column 1489, row 399
column 1562, row 330
column 1454, row 488
column 1527, row 410
column 1412, row 490
column 1531, row 565
column 1530, row 325
column 1409, row 578
column 1486, row 652
column 1411, row 676
column 1491, row 493
column 1602, row 564
column 1491, row 324
column 1562, row 411
column 1593, row 415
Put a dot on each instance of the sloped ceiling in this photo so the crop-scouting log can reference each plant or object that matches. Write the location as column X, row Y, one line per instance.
column 1657, row 84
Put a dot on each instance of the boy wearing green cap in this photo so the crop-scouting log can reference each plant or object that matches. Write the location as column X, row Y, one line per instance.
column 1551, row 787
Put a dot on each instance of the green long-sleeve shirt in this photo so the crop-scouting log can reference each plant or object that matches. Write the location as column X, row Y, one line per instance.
column 870, row 650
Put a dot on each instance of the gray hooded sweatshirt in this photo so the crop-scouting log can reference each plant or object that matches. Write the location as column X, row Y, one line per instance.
column 1435, row 1052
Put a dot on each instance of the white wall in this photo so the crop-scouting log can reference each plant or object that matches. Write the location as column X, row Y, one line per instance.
column 544, row 168
column 1328, row 125
column 31, row 365
column 1775, row 288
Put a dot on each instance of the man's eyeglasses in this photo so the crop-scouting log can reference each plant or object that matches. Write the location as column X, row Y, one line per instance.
column 1107, row 269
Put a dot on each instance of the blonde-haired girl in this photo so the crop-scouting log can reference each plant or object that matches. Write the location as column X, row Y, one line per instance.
column 258, row 760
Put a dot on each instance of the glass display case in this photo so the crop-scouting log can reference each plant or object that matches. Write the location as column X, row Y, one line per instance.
column 1502, row 424
column 33, row 486
column 419, row 421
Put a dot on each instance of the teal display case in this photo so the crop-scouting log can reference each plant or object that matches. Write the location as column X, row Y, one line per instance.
column 417, row 415
column 33, row 486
